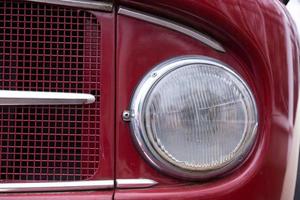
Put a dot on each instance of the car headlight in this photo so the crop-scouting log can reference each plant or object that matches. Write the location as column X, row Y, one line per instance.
column 193, row 117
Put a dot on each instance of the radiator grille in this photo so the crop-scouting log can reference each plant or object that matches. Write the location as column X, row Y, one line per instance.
column 49, row 48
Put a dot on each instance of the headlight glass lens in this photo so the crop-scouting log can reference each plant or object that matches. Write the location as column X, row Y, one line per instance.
column 198, row 116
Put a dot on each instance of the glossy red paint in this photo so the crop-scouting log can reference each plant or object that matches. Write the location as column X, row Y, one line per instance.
column 107, row 88
column 261, row 45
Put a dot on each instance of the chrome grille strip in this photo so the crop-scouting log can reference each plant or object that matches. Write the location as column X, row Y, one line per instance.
column 56, row 186
column 76, row 185
column 8, row 97
column 85, row 4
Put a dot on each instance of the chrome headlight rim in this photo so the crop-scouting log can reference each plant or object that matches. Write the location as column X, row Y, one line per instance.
column 138, row 128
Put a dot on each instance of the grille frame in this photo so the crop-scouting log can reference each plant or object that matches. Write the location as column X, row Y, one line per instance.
column 105, row 171
column 105, row 6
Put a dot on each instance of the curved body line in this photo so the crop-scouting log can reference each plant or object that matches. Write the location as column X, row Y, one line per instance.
column 174, row 26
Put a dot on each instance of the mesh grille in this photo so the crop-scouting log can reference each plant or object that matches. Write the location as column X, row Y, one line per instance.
column 49, row 48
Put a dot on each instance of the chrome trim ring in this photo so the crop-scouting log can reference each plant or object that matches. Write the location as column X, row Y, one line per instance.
column 138, row 128
column 205, row 39
column 83, row 4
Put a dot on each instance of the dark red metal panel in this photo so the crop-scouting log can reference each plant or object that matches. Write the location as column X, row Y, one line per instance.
column 261, row 44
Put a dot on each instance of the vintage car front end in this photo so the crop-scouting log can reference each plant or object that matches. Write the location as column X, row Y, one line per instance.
column 139, row 99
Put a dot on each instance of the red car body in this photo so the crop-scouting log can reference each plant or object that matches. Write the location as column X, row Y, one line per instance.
column 261, row 44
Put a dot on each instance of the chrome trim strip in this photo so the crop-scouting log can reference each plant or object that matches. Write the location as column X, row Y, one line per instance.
column 134, row 183
column 8, row 97
column 56, row 186
column 84, row 4
column 174, row 26
column 75, row 185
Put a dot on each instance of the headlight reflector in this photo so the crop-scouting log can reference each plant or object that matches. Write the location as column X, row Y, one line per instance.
column 194, row 117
